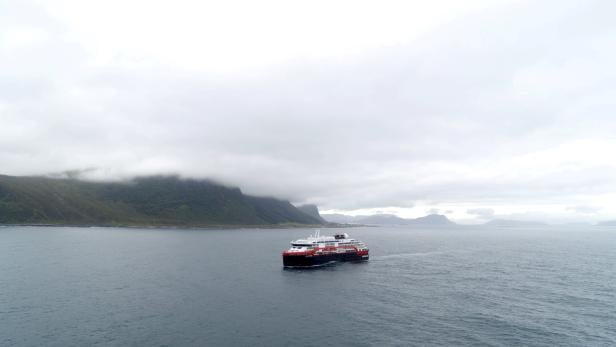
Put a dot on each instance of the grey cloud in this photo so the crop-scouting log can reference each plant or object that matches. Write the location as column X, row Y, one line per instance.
column 381, row 130
column 483, row 213
column 584, row 209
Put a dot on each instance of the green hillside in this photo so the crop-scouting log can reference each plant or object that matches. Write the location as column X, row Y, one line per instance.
column 142, row 201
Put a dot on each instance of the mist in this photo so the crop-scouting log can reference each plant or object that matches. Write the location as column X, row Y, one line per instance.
column 504, row 110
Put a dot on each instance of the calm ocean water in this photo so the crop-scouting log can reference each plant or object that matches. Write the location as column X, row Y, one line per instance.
column 459, row 286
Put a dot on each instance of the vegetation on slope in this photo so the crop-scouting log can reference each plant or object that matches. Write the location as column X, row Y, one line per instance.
column 142, row 201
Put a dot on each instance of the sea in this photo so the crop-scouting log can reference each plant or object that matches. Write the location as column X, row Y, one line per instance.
column 454, row 286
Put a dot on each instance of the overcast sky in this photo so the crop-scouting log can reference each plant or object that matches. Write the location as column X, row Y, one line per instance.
column 475, row 109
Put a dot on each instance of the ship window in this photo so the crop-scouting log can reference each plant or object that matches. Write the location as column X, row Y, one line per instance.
column 302, row 246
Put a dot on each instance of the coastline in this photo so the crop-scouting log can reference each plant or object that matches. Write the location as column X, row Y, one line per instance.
column 194, row 227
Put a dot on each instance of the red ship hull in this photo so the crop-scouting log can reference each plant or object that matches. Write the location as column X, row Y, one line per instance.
column 310, row 259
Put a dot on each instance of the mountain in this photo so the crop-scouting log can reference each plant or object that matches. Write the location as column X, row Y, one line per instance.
column 513, row 223
column 388, row 219
column 381, row 219
column 341, row 218
column 432, row 219
column 156, row 200
column 312, row 210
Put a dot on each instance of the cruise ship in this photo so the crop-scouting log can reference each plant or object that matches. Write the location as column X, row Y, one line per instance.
column 317, row 250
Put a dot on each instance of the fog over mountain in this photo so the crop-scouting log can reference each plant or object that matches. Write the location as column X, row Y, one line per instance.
column 491, row 110
column 389, row 219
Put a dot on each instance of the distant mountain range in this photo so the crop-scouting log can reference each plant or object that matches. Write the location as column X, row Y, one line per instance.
column 152, row 201
column 509, row 223
column 388, row 219
column 439, row 220
column 171, row 201
column 513, row 223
